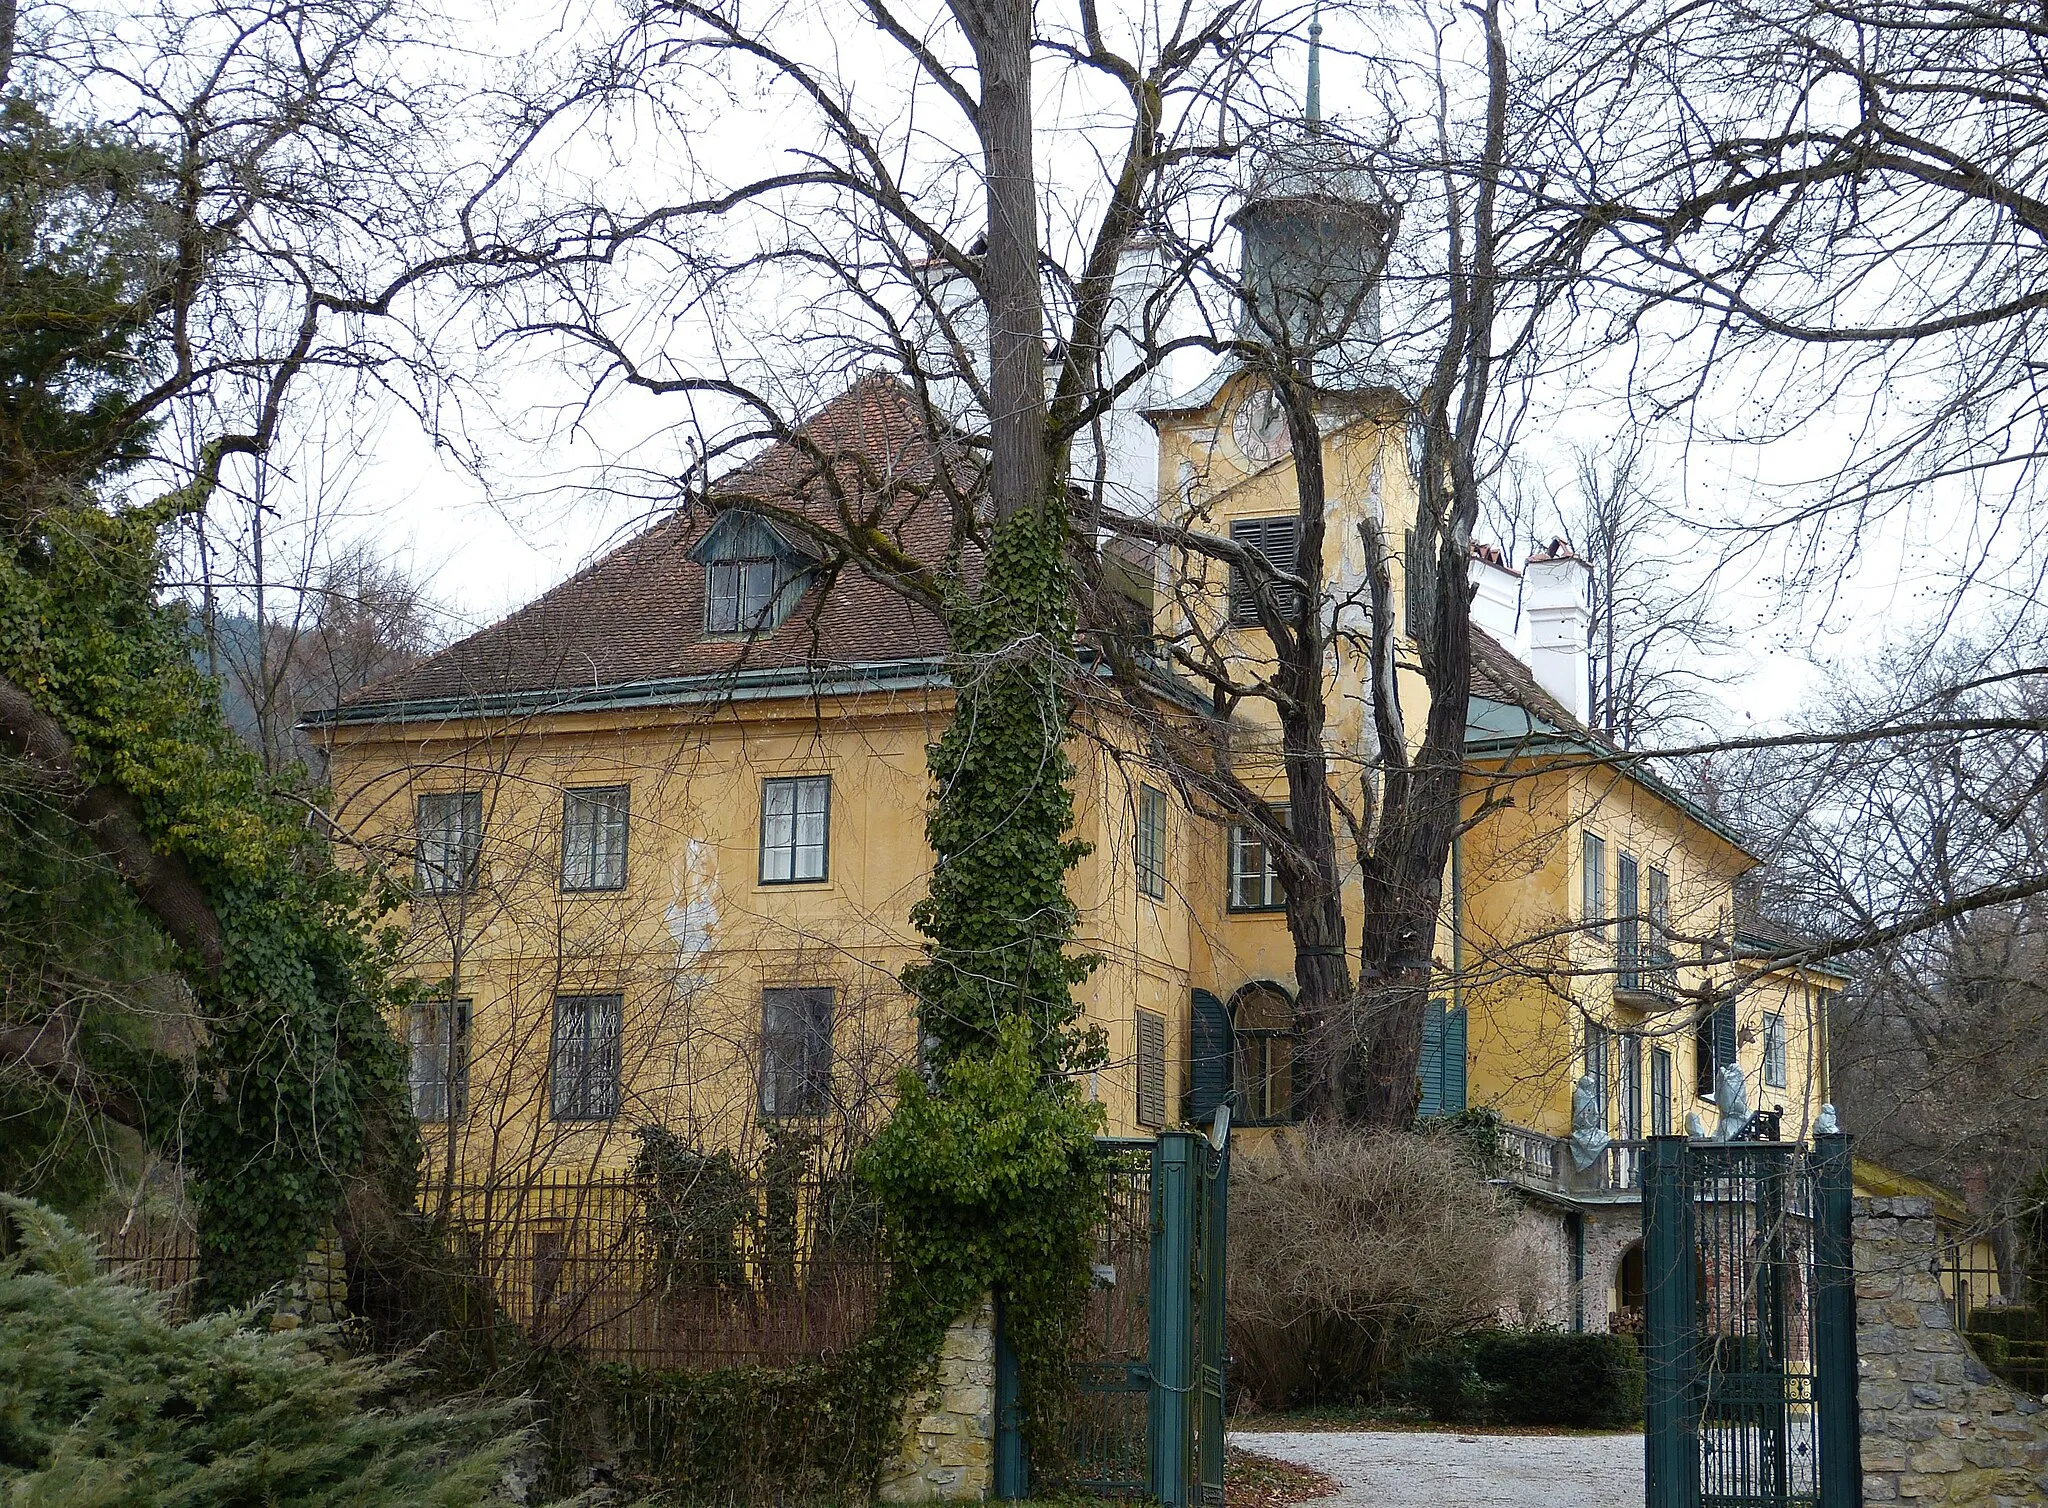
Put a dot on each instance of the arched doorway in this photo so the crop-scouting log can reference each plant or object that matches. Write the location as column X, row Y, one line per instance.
column 1629, row 1289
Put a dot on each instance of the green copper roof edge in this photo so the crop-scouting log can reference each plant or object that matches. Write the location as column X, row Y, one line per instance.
column 744, row 685
column 1631, row 766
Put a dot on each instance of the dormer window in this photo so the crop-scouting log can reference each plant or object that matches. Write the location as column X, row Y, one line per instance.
column 739, row 595
column 753, row 574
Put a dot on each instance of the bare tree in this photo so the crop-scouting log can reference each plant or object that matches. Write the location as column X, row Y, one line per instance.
column 1654, row 632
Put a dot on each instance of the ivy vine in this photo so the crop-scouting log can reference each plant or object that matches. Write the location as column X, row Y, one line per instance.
column 987, row 1168
column 299, row 1081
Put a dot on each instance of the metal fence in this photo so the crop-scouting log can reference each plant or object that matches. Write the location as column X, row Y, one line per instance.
column 712, row 1270
column 158, row 1251
column 2007, row 1329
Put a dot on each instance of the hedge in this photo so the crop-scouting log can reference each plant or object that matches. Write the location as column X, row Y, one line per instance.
column 1541, row 1377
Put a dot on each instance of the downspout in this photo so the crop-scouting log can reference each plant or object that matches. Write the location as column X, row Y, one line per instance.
column 1457, row 920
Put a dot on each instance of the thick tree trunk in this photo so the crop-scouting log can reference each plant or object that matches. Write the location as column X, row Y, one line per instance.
column 1000, row 33
column 1404, row 880
column 113, row 820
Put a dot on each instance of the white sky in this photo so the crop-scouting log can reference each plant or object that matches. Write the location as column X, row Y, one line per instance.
column 543, row 509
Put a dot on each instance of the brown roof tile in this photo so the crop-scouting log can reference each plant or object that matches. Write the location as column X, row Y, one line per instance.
column 636, row 615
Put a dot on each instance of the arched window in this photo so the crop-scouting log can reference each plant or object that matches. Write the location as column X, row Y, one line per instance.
column 1262, row 1018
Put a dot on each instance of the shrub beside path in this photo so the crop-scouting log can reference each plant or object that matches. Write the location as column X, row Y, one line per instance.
column 1447, row 1469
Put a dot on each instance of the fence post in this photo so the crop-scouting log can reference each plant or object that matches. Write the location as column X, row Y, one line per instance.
column 1670, row 1316
column 1013, row 1467
column 1834, row 1312
column 1172, row 1316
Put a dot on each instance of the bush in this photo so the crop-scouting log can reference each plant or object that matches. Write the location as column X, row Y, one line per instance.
column 106, row 1401
column 1351, row 1251
column 1542, row 1377
column 2013, row 1322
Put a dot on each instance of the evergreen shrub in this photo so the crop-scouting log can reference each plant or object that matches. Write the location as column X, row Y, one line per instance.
column 106, row 1401
column 1552, row 1378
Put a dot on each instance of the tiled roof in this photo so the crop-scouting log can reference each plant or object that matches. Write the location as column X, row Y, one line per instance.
column 636, row 615
column 1499, row 675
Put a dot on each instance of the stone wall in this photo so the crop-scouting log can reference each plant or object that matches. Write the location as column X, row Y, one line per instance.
column 1937, row 1427
column 949, row 1446
column 319, row 1294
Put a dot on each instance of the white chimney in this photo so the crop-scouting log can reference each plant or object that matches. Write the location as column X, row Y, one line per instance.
column 1556, row 590
column 1496, row 597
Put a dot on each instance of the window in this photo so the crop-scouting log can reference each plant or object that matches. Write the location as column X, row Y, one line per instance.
column 1628, row 940
column 1151, row 842
column 1599, row 1059
column 594, row 838
column 796, row 1051
column 1593, row 884
column 1657, row 945
column 1628, row 1083
column 1278, row 542
column 1151, row 1034
column 583, row 1077
column 1264, row 1022
column 739, row 595
column 795, row 821
column 1774, row 1051
column 1713, row 1047
column 451, row 840
column 1660, row 1091
column 1254, row 870
column 437, row 1032
column 1443, row 1060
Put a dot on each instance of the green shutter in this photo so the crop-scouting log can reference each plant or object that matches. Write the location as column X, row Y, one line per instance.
column 1210, row 1050
column 1454, row 1061
column 1724, row 1040
column 1432, row 1066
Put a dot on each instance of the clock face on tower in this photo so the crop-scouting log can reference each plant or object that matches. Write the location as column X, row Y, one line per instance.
column 1260, row 428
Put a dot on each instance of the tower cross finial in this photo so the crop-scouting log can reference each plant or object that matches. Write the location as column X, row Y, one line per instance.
column 1315, row 68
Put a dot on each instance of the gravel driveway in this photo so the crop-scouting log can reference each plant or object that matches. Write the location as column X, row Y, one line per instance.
column 1425, row 1469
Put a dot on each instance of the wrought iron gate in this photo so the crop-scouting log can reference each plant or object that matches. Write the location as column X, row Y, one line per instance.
column 1749, row 1325
column 1147, row 1415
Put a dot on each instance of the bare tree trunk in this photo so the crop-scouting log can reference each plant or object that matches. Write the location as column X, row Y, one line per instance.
column 1000, row 33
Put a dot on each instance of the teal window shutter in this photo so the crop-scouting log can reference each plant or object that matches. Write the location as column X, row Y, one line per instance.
column 1724, row 1038
column 1210, row 1051
column 1432, row 1067
column 1454, row 1061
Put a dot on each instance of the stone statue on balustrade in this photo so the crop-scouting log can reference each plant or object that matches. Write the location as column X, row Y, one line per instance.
column 1731, row 1098
column 1589, row 1137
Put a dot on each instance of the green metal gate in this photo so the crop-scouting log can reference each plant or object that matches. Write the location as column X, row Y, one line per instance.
column 1749, row 1325
column 1146, row 1418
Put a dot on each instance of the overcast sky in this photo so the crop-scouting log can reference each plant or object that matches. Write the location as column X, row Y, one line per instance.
column 547, row 502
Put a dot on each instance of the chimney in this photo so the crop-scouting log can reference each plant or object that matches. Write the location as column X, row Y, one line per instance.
column 1496, row 596
column 1555, row 592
